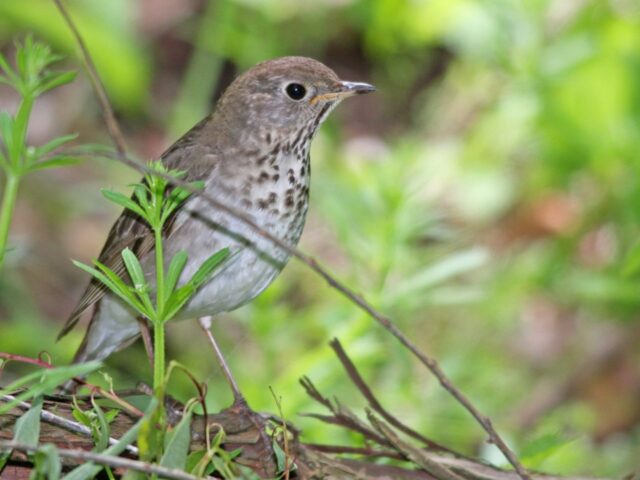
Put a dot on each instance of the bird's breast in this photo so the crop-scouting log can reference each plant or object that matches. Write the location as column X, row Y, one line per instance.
column 276, row 191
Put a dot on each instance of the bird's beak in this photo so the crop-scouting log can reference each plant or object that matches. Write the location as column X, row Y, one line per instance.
column 355, row 88
column 344, row 90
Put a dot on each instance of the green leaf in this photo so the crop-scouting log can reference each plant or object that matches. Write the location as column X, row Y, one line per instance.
column 90, row 470
column 208, row 266
column 113, row 282
column 535, row 452
column 193, row 461
column 111, row 415
column 21, row 120
column 93, row 149
column 54, row 162
column 79, row 414
column 182, row 295
column 27, row 428
column 54, row 144
column 631, row 264
column 177, row 300
column 8, row 71
column 55, row 79
column 123, row 201
column 47, row 462
column 174, row 271
column 177, row 444
column 101, row 430
column 441, row 271
column 177, row 196
column 142, row 193
column 281, row 457
column 45, row 381
column 134, row 269
column 7, row 126
column 151, row 436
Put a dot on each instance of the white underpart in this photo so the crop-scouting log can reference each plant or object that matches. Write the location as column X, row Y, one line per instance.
column 246, row 273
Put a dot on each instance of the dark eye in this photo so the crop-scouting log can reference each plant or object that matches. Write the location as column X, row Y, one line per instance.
column 296, row 91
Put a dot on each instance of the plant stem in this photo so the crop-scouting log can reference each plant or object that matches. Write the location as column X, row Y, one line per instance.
column 20, row 132
column 158, row 327
column 6, row 211
column 160, row 293
column 158, row 357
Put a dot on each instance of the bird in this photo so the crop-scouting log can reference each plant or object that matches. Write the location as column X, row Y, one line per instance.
column 250, row 153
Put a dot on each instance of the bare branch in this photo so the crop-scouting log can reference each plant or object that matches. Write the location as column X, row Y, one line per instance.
column 417, row 455
column 65, row 423
column 107, row 111
column 344, row 449
column 117, row 462
column 359, row 382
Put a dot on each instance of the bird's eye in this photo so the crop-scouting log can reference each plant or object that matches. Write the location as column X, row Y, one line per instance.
column 296, row 91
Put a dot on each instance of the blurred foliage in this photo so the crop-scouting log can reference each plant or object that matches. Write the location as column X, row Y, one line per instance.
column 487, row 198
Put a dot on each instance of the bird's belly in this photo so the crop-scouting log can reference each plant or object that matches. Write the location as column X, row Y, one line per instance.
column 252, row 264
column 233, row 285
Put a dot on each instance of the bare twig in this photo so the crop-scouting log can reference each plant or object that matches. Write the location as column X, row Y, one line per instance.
column 117, row 462
column 342, row 416
column 417, row 455
column 359, row 382
column 64, row 423
column 107, row 111
column 22, row 359
column 344, row 449
column 289, row 462
column 358, row 300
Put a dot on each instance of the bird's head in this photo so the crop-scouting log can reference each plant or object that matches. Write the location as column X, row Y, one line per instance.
column 286, row 96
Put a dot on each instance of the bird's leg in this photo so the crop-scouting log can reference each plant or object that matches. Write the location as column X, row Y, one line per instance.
column 240, row 406
column 146, row 338
column 238, row 398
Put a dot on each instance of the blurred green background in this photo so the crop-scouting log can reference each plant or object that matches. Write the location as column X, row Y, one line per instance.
column 487, row 198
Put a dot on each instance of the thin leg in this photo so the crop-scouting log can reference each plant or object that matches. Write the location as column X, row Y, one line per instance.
column 238, row 398
column 146, row 339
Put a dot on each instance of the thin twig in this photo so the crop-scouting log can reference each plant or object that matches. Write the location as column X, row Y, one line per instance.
column 65, row 423
column 111, row 461
column 22, row 359
column 358, row 300
column 343, row 449
column 107, row 111
column 417, row 455
column 359, row 382
column 342, row 416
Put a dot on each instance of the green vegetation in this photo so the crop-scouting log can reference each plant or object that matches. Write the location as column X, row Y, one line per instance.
column 31, row 78
column 487, row 198
column 154, row 203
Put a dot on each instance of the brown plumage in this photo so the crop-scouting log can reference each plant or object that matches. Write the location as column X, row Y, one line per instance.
column 253, row 154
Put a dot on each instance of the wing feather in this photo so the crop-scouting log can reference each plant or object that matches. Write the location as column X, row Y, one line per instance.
column 130, row 231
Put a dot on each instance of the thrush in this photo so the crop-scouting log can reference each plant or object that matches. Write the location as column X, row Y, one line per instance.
column 251, row 153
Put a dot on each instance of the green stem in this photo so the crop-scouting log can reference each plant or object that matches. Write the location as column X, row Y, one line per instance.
column 6, row 211
column 158, row 358
column 22, row 120
column 158, row 327
column 160, row 293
